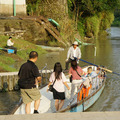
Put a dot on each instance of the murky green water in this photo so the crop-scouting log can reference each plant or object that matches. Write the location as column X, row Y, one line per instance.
column 108, row 54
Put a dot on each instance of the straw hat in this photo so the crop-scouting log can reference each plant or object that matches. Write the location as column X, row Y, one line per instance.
column 75, row 43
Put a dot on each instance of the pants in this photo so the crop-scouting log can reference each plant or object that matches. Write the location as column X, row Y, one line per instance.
column 83, row 93
column 67, row 63
column 14, row 48
column 29, row 95
column 75, row 86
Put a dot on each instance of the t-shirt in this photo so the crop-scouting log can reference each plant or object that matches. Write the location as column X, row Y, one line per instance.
column 27, row 74
column 58, row 85
column 75, row 76
column 9, row 43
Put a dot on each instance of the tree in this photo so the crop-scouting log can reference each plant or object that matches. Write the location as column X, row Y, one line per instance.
column 90, row 7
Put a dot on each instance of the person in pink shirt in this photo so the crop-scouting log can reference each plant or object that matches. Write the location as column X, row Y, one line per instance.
column 76, row 73
column 59, row 91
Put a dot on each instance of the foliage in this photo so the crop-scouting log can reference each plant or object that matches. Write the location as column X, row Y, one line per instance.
column 91, row 7
column 97, row 15
column 92, row 26
column 107, row 19
column 81, row 27
column 32, row 6
column 116, row 22
column 24, row 48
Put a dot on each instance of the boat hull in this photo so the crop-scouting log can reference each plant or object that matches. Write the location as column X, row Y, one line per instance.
column 88, row 103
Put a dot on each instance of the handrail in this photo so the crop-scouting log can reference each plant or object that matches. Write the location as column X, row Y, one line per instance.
column 73, row 98
column 46, row 76
column 44, row 67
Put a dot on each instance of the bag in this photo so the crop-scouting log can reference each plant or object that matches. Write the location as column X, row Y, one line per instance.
column 70, row 78
column 51, row 86
column 78, row 73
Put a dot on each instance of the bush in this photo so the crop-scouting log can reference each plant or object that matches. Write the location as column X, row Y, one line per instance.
column 81, row 28
column 107, row 19
column 92, row 26
column 116, row 22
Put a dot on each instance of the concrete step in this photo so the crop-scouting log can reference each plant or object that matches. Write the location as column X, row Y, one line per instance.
column 65, row 116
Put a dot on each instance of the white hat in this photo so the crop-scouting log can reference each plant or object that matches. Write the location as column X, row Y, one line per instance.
column 75, row 43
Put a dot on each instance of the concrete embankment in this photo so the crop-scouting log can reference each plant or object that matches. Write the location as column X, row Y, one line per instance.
column 66, row 116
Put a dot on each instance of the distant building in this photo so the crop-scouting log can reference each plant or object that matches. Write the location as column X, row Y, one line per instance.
column 7, row 7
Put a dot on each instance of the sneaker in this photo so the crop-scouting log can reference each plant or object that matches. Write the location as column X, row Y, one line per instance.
column 36, row 112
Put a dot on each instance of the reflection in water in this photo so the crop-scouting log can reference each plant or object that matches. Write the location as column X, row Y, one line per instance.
column 107, row 55
column 8, row 100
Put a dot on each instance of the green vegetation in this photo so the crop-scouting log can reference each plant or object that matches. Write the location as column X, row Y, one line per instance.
column 116, row 22
column 92, row 16
column 32, row 6
column 24, row 48
column 89, row 17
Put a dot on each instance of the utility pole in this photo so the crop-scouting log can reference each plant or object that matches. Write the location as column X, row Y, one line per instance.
column 14, row 8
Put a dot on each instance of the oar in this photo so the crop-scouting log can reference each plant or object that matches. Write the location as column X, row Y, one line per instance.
column 100, row 67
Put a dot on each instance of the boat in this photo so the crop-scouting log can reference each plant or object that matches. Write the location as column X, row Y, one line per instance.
column 48, row 48
column 71, row 104
column 83, row 43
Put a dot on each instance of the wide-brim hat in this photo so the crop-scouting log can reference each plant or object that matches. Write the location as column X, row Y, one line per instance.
column 75, row 43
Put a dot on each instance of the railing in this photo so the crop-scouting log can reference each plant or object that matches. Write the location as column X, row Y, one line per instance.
column 99, row 79
column 45, row 75
column 9, row 80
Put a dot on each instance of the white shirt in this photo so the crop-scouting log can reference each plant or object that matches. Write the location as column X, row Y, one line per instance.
column 74, row 53
column 9, row 43
column 58, row 85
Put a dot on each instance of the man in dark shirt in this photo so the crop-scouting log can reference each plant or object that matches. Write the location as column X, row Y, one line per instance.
column 29, row 76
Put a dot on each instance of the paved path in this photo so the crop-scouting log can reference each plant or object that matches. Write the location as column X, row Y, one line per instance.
column 65, row 116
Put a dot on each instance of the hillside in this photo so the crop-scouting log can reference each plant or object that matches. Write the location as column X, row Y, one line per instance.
column 24, row 48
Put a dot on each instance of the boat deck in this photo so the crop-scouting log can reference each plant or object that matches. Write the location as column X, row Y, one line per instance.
column 47, row 101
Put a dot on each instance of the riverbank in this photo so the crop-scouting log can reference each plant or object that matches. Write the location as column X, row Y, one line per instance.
column 24, row 48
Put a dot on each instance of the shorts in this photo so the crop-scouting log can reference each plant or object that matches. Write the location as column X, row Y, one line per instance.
column 29, row 95
column 58, row 95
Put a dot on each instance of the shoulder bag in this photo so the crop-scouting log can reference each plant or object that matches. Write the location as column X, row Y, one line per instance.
column 51, row 86
column 78, row 73
column 70, row 78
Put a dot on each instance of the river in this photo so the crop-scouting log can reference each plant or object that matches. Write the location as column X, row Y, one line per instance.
column 108, row 50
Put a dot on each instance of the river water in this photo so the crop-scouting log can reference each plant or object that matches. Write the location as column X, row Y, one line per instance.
column 107, row 54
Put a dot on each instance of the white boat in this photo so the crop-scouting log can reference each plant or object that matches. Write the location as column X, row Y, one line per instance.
column 47, row 102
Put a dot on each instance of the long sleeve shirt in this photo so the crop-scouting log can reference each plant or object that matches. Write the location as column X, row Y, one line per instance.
column 74, row 53
column 9, row 43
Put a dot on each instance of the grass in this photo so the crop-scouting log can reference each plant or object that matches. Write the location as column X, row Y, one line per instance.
column 24, row 48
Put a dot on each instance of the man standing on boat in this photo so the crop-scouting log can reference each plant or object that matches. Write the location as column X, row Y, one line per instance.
column 29, row 76
column 73, row 52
